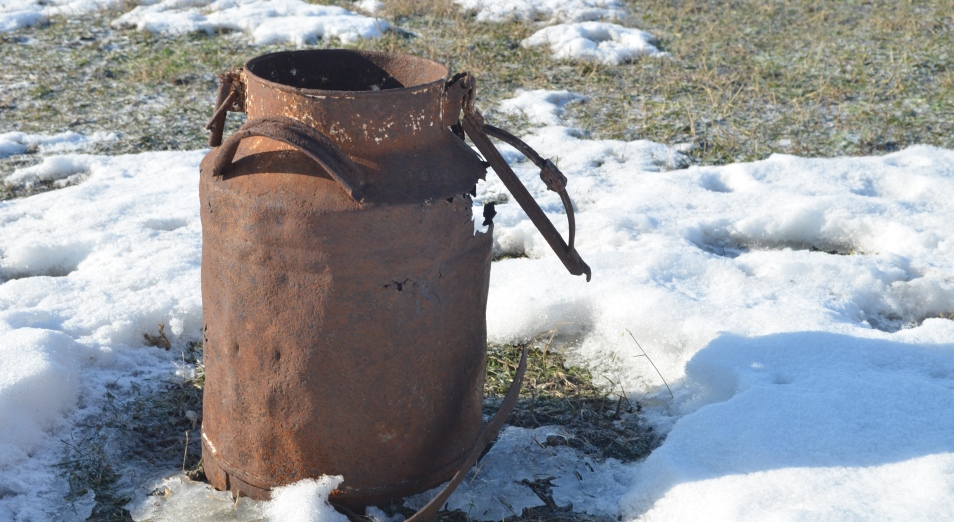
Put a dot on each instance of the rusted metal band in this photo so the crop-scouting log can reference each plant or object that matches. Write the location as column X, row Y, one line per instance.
column 474, row 126
column 217, row 123
column 486, row 436
column 229, row 98
column 554, row 179
column 234, row 471
column 304, row 138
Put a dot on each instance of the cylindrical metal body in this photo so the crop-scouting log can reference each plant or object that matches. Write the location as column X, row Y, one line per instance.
column 344, row 337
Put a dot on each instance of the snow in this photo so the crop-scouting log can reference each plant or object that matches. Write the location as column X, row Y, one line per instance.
column 583, row 29
column 493, row 490
column 84, row 272
column 811, row 425
column 540, row 106
column 305, row 501
column 12, row 143
column 266, row 21
column 371, row 7
column 794, row 306
column 607, row 43
column 179, row 499
column 553, row 10
column 802, row 378
column 17, row 14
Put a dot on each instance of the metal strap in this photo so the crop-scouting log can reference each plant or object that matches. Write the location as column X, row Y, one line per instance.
column 486, row 436
column 477, row 130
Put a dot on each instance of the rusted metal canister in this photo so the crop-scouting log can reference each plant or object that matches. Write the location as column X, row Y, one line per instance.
column 344, row 288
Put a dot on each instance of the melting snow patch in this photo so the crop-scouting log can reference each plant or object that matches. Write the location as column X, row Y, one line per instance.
column 305, row 501
column 12, row 143
column 540, row 107
column 496, row 489
column 553, row 10
column 64, row 339
column 42, row 258
column 38, row 384
column 179, row 499
column 795, row 391
column 64, row 170
column 371, row 7
column 602, row 42
column 266, row 21
column 809, row 426
column 16, row 14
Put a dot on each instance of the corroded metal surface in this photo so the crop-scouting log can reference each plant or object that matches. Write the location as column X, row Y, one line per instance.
column 383, row 110
column 344, row 289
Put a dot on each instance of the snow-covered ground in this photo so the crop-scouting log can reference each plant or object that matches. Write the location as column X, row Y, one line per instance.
column 798, row 308
column 12, row 143
column 610, row 44
column 579, row 30
column 264, row 21
column 548, row 10
column 16, row 14
column 794, row 306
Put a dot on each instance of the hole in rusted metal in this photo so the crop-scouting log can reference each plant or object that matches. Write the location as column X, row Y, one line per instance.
column 398, row 285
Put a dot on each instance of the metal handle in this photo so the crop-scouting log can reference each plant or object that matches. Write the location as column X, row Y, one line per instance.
column 474, row 126
column 231, row 97
column 486, row 436
column 304, row 138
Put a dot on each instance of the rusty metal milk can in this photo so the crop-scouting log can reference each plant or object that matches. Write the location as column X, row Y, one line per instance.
column 344, row 289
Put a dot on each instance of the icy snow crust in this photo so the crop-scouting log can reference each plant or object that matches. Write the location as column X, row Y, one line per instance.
column 16, row 14
column 583, row 29
column 540, row 106
column 553, row 10
column 84, row 272
column 13, row 143
column 792, row 304
column 610, row 44
column 267, row 21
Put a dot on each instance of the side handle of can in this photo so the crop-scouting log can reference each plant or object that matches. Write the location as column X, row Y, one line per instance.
column 462, row 90
column 231, row 98
column 304, row 138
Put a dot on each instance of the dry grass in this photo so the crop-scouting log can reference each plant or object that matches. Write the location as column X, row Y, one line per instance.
column 143, row 428
column 600, row 424
column 743, row 79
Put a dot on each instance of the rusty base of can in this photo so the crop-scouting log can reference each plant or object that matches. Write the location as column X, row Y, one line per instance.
column 227, row 478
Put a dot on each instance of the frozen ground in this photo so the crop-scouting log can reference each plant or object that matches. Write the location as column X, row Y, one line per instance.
column 12, row 143
column 610, row 44
column 15, row 14
column 581, row 30
column 265, row 21
column 797, row 307
column 549, row 10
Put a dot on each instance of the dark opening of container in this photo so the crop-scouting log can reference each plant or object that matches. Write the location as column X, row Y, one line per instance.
column 345, row 70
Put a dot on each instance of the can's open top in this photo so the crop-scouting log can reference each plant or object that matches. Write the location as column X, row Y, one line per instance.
column 345, row 70
column 389, row 113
